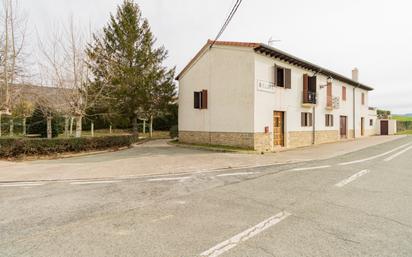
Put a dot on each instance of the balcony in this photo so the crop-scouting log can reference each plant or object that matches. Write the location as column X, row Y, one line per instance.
column 309, row 99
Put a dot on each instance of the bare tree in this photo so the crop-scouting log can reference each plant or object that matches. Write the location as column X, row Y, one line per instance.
column 13, row 25
column 68, row 70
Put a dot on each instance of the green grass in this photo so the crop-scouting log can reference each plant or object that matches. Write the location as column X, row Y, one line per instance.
column 406, row 132
column 402, row 118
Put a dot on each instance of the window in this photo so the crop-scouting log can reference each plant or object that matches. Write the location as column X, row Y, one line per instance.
column 283, row 77
column 343, row 93
column 280, row 77
column 201, row 100
column 306, row 119
column 371, row 122
column 363, row 98
column 329, row 120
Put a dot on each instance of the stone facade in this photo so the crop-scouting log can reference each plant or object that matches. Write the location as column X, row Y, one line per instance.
column 305, row 138
column 243, row 140
column 263, row 142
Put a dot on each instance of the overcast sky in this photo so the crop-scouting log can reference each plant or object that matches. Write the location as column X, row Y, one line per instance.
column 373, row 35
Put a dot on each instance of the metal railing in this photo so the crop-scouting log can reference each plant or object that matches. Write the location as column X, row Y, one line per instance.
column 309, row 97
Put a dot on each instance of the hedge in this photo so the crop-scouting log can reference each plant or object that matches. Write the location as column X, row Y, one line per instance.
column 15, row 148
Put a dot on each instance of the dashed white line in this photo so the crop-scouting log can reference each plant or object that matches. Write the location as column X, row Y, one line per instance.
column 312, row 168
column 95, row 182
column 390, row 158
column 245, row 235
column 376, row 156
column 168, row 179
column 236, row 174
column 352, row 178
column 22, row 185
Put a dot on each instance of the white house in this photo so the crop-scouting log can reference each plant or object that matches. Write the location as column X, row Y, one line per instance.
column 255, row 96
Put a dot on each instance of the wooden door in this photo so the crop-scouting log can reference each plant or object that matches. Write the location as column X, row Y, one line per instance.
column 343, row 127
column 384, row 127
column 278, row 128
column 362, row 126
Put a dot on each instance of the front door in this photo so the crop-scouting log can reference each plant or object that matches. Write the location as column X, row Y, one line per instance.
column 278, row 128
column 362, row 126
column 384, row 127
column 343, row 127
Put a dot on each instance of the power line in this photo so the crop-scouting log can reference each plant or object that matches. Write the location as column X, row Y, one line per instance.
column 229, row 18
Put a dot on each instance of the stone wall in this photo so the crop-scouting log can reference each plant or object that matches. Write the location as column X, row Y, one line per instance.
column 300, row 139
column 327, row 136
column 263, row 142
column 243, row 140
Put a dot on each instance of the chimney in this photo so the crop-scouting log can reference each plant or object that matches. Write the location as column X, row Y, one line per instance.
column 355, row 74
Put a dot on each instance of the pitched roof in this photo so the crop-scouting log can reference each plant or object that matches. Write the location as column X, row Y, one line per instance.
column 278, row 54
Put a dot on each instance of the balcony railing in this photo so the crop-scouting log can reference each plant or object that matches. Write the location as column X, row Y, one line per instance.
column 309, row 98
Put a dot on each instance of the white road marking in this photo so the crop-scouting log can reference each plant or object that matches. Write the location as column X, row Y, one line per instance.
column 245, row 235
column 376, row 156
column 26, row 184
column 236, row 174
column 167, row 179
column 352, row 178
column 390, row 158
column 95, row 182
column 312, row 168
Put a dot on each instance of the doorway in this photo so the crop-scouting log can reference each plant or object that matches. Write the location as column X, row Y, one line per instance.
column 279, row 128
column 362, row 126
column 343, row 127
column 384, row 127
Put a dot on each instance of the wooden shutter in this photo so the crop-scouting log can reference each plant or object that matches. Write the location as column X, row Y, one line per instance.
column 343, row 93
column 303, row 119
column 305, row 88
column 204, row 99
column 275, row 72
column 332, row 121
column 288, row 78
column 327, row 120
column 197, row 100
column 329, row 95
column 310, row 119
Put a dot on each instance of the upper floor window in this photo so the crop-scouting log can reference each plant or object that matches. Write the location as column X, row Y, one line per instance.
column 363, row 98
column 283, row 77
column 343, row 93
column 200, row 99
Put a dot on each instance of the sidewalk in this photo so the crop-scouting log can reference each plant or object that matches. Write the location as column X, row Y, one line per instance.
column 157, row 157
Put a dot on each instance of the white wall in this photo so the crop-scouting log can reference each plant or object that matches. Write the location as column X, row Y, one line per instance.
column 290, row 100
column 228, row 74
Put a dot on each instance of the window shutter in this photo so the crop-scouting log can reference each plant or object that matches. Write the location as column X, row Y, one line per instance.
column 197, row 100
column 332, row 121
column 326, row 120
column 305, row 88
column 288, row 78
column 302, row 119
column 343, row 93
column 310, row 119
column 275, row 72
column 204, row 99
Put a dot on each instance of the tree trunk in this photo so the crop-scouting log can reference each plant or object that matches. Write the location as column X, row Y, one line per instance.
column 92, row 129
column 71, row 126
column 66, row 126
column 0, row 123
column 110, row 129
column 144, row 127
column 49, row 128
column 151, row 126
column 135, row 127
column 11, row 131
column 24, row 126
column 79, row 126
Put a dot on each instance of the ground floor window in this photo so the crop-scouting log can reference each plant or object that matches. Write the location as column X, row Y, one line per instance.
column 371, row 122
column 306, row 119
column 329, row 120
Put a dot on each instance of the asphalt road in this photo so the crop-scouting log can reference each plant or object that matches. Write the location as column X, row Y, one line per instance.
column 359, row 204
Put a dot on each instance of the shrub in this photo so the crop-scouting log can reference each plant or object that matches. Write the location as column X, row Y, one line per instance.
column 37, row 124
column 15, row 148
column 174, row 131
